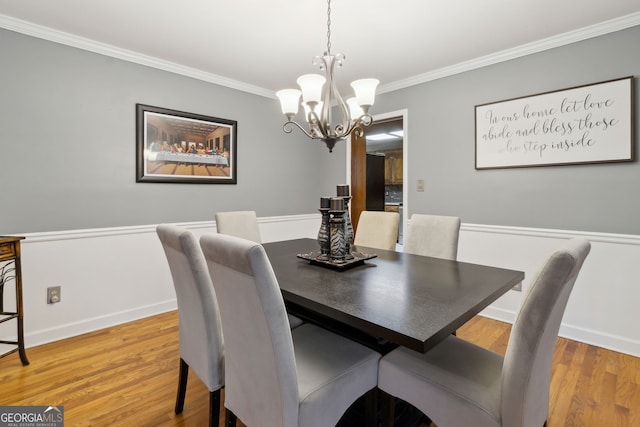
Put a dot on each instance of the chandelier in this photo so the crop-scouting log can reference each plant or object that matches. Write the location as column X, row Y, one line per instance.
column 319, row 96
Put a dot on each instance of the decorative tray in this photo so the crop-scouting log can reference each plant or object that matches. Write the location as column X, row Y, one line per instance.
column 316, row 258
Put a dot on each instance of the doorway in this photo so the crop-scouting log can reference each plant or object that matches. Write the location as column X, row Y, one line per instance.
column 386, row 138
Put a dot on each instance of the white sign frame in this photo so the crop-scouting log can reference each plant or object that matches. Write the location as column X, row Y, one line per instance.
column 585, row 124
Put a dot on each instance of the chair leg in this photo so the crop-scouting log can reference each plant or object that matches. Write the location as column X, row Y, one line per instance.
column 371, row 407
column 387, row 402
column 214, row 408
column 182, row 386
column 231, row 418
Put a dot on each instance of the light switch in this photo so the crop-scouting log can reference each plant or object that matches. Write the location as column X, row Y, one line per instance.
column 420, row 185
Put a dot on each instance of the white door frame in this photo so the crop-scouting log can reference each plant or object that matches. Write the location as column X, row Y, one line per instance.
column 405, row 163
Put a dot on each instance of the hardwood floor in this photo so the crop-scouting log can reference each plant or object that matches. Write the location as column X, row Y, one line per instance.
column 127, row 376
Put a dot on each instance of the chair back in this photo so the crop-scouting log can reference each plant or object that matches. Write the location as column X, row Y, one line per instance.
column 240, row 224
column 201, row 343
column 261, row 380
column 527, row 364
column 432, row 235
column 377, row 229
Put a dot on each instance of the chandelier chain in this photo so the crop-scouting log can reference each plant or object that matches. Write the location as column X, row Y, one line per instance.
column 328, row 27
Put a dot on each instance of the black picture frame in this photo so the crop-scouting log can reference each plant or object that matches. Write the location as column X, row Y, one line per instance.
column 195, row 148
column 586, row 124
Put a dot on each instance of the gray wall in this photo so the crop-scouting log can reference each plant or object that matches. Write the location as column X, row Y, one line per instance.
column 67, row 121
column 599, row 197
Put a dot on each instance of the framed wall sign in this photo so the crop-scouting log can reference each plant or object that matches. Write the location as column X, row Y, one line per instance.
column 174, row 146
column 585, row 124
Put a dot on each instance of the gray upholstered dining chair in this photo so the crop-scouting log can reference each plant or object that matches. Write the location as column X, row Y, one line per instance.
column 240, row 224
column 458, row 383
column 244, row 224
column 278, row 376
column 200, row 331
column 432, row 235
column 377, row 229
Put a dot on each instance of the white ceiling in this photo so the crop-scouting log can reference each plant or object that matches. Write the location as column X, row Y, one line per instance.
column 263, row 46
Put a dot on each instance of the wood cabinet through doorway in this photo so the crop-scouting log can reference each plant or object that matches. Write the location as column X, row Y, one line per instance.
column 393, row 168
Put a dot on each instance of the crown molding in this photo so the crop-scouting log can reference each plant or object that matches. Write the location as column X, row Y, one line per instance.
column 68, row 39
column 585, row 33
column 64, row 38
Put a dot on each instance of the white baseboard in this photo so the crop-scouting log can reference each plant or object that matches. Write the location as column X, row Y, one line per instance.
column 84, row 326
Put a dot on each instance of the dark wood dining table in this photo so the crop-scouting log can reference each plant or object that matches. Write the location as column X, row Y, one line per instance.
column 390, row 300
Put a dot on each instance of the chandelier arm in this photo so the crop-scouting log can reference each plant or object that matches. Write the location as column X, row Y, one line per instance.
column 342, row 129
column 316, row 125
column 364, row 120
column 358, row 131
column 324, row 122
column 288, row 129
column 357, row 125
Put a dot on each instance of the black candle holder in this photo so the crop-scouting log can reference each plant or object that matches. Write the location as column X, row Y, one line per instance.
column 348, row 228
column 324, row 238
column 335, row 236
column 338, row 241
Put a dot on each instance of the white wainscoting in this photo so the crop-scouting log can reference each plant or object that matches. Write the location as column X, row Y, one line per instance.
column 603, row 307
column 116, row 275
column 110, row 276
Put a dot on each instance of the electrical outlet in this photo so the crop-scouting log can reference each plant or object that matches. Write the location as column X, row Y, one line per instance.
column 517, row 288
column 53, row 294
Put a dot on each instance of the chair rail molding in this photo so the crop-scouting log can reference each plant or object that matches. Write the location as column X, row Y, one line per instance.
column 115, row 275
